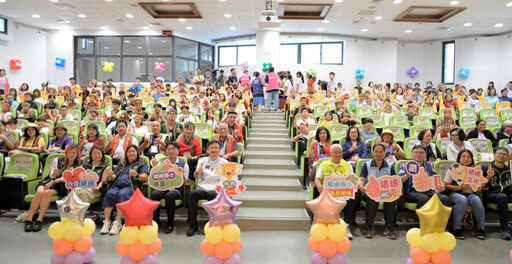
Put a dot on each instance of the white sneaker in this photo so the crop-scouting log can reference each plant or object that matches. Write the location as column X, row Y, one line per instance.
column 348, row 234
column 116, row 228
column 106, row 227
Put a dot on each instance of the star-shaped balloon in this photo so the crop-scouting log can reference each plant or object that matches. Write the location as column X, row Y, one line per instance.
column 138, row 210
column 222, row 209
column 433, row 216
column 72, row 208
column 326, row 209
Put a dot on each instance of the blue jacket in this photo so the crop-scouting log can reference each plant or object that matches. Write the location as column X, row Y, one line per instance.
column 362, row 150
column 408, row 187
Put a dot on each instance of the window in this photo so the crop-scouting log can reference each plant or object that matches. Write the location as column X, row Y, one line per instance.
column 207, row 53
column 227, row 56
column 247, row 54
column 448, row 73
column 105, row 75
column 332, row 53
column 186, row 69
column 160, row 46
column 236, row 55
column 186, row 48
column 289, row 53
column 109, row 45
column 3, row 25
column 310, row 54
column 134, row 67
column 134, row 46
column 85, row 46
column 166, row 74
column 84, row 69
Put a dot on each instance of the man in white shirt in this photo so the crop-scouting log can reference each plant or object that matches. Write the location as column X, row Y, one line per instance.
column 63, row 115
column 207, row 183
column 332, row 83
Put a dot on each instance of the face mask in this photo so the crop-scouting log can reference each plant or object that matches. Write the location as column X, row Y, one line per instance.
column 10, row 101
column 448, row 92
column 508, row 129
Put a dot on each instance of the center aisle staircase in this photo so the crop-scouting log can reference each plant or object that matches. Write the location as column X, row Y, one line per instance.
column 274, row 198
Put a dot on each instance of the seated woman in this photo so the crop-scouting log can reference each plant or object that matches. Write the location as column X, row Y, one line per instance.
column 26, row 113
column 92, row 138
column 190, row 147
column 131, row 172
column 137, row 128
column 353, row 148
column 462, row 196
column 59, row 143
column 170, row 196
column 458, row 136
column 327, row 120
column 212, row 120
column 320, row 146
column 186, row 116
column 481, row 132
column 433, row 152
column 51, row 185
column 393, row 151
column 505, row 131
column 95, row 163
column 31, row 141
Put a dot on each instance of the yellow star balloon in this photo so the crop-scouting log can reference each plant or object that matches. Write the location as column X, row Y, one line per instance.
column 326, row 209
column 433, row 216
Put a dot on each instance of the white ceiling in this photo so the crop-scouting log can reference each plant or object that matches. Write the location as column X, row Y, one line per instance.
column 482, row 14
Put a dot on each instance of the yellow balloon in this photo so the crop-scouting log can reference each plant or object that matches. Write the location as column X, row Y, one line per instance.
column 66, row 221
column 336, row 233
column 110, row 69
column 214, row 235
column 431, row 243
column 206, row 227
column 231, row 233
column 89, row 226
column 73, row 232
column 129, row 235
column 414, row 237
column 56, row 230
column 148, row 235
column 318, row 232
column 343, row 224
column 448, row 241
column 155, row 225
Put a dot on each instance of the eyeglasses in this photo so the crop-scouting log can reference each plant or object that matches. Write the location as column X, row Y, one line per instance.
column 453, row 135
column 418, row 152
column 501, row 154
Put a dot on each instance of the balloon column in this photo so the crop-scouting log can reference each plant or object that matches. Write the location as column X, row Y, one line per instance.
column 222, row 240
column 60, row 62
column 15, row 64
column 108, row 66
column 159, row 67
column 138, row 240
column 464, row 73
column 328, row 241
column 72, row 242
column 412, row 72
column 430, row 243
column 266, row 66
column 359, row 73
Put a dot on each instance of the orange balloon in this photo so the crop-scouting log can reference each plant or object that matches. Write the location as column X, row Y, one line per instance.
column 207, row 248
column 83, row 244
column 441, row 257
column 237, row 246
column 313, row 244
column 511, row 254
column 155, row 246
column 343, row 246
column 122, row 249
column 138, row 251
column 62, row 247
column 223, row 250
column 419, row 255
column 327, row 248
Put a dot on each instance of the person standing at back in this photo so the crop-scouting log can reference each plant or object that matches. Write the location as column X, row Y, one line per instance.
column 272, row 84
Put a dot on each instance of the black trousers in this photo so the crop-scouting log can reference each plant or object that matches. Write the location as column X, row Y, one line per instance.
column 371, row 211
column 195, row 196
column 170, row 204
column 502, row 200
column 421, row 198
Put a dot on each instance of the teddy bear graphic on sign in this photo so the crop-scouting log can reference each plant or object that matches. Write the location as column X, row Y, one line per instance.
column 228, row 173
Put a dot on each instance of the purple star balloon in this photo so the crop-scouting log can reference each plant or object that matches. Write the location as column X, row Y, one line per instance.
column 222, row 209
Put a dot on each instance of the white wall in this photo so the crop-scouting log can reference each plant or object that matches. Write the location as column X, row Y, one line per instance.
column 59, row 44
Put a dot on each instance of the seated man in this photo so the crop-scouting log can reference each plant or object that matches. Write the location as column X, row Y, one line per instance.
column 207, row 183
column 114, row 114
column 228, row 145
column 233, row 129
column 411, row 195
column 154, row 143
column 190, row 146
column 157, row 114
column 63, row 115
column 305, row 119
column 117, row 145
column 232, row 108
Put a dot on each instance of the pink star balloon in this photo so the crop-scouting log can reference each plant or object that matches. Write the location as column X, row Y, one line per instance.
column 222, row 209
column 326, row 209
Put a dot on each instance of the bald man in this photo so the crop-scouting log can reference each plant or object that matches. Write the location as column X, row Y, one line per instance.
column 154, row 143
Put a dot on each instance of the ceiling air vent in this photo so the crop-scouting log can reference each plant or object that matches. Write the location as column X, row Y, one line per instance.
column 366, row 12
column 64, row 5
column 303, row 11
column 61, row 21
column 432, row 14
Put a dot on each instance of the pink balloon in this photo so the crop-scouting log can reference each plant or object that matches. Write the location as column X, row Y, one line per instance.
column 74, row 257
column 234, row 259
column 317, row 258
column 213, row 260
column 337, row 259
column 89, row 255
column 127, row 260
column 56, row 259
column 149, row 259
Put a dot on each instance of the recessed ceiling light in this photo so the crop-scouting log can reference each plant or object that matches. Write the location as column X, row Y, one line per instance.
column 150, row 53
column 325, row 21
column 227, row 15
column 127, row 41
column 145, row 28
column 36, row 16
column 163, row 41
column 129, row 15
column 498, row 25
column 222, row 0
column 378, row 18
column 232, row 28
column 364, row 30
column 338, row 1
column 509, row 4
column 104, row 28
column 454, row 2
column 182, row 20
column 189, row 28
column 396, row 2
column 467, row 24
column 108, row 0
column 106, row 48
column 408, row 31
column 82, row 16
column 320, row 29
column 2, row 1
column 139, row 47
column 280, row 0
column 50, row 1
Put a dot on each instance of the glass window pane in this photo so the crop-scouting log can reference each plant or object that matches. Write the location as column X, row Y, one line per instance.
column 331, row 53
column 185, row 69
column 166, row 74
column 134, row 46
column 160, row 46
column 134, row 67
column 205, row 67
column 84, row 69
column 310, row 53
column 207, row 53
column 288, row 54
column 109, row 45
column 116, row 70
column 186, row 48
column 449, row 62
column 227, row 56
column 85, row 46
column 247, row 54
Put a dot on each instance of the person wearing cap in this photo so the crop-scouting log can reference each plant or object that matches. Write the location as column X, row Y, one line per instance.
column 158, row 93
column 59, row 143
column 31, row 142
column 239, row 118
column 393, row 150
column 5, row 114
column 129, row 107
column 138, row 109
column 92, row 101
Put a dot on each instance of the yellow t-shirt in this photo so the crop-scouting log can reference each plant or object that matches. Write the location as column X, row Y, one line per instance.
column 30, row 142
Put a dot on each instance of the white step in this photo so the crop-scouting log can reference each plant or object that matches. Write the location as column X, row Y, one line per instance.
column 265, row 126
column 256, row 218
column 272, row 184
column 271, row 134
column 268, row 140
column 272, row 174
column 268, row 121
column 268, row 130
column 269, row 164
column 265, row 154
column 269, row 147
column 273, row 199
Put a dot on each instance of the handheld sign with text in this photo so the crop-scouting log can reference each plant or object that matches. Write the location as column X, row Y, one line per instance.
column 422, row 182
column 80, row 178
column 468, row 175
column 384, row 189
column 165, row 176
column 228, row 173
column 341, row 187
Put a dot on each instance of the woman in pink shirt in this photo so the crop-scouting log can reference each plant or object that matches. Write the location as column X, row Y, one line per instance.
column 272, row 89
